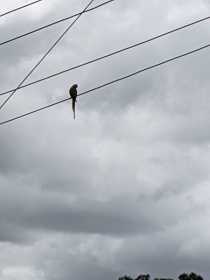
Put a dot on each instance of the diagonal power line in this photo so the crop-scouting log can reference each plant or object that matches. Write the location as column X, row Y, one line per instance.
column 19, row 8
column 108, row 55
column 109, row 83
column 45, row 55
column 52, row 23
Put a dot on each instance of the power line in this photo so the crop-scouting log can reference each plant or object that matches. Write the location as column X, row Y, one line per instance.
column 51, row 24
column 45, row 55
column 19, row 8
column 109, row 83
column 108, row 55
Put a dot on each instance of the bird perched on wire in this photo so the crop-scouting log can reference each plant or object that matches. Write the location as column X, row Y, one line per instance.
column 73, row 95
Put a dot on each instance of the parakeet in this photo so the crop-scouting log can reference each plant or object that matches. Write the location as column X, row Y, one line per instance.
column 73, row 95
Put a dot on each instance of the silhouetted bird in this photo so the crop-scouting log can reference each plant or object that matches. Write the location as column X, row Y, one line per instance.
column 73, row 95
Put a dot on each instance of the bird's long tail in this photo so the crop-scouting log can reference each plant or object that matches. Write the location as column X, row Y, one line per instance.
column 73, row 108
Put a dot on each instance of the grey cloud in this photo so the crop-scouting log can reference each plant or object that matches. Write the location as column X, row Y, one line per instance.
column 124, row 188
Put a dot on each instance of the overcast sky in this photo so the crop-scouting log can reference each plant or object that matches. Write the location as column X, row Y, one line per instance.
column 125, row 188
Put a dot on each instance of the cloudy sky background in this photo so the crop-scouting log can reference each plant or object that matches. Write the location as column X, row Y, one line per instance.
column 124, row 189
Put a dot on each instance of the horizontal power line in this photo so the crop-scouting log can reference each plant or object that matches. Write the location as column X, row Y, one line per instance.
column 109, row 83
column 51, row 24
column 45, row 55
column 19, row 8
column 108, row 55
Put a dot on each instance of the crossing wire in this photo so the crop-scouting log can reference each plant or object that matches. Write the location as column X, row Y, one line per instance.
column 45, row 55
column 19, row 8
column 109, row 54
column 108, row 83
column 53, row 23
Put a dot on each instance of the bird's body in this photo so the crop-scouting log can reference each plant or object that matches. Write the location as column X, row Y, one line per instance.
column 73, row 95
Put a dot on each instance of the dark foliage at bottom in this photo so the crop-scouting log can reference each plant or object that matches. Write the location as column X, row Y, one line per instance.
column 184, row 276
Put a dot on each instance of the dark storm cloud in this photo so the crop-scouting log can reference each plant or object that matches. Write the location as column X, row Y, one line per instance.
column 117, row 217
